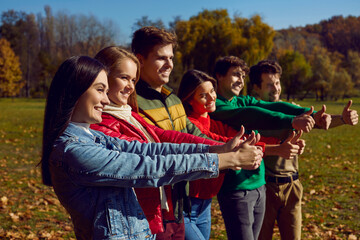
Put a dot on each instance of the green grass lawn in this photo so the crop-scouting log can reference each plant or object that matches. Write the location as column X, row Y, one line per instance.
column 329, row 171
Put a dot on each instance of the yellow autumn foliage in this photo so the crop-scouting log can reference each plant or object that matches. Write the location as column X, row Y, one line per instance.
column 11, row 81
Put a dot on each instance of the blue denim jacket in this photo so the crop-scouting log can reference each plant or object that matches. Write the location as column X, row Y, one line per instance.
column 93, row 176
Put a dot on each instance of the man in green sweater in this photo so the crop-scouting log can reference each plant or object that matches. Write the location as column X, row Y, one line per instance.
column 283, row 188
column 242, row 196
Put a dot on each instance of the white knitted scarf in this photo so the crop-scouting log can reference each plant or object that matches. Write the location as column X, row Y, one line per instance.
column 124, row 112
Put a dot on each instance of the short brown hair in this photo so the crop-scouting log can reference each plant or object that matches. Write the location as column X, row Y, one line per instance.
column 111, row 58
column 223, row 65
column 264, row 66
column 146, row 38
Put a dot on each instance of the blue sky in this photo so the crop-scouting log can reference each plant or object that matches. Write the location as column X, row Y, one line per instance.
column 276, row 13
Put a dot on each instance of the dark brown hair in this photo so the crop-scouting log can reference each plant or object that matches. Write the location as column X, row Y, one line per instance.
column 188, row 85
column 146, row 38
column 264, row 66
column 74, row 76
column 223, row 65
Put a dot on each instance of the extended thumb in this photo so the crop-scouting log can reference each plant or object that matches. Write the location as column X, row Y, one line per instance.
column 348, row 105
column 241, row 132
column 292, row 135
column 310, row 111
column 323, row 109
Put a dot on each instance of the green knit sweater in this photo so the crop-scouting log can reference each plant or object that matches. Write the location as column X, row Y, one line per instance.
column 256, row 114
column 252, row 114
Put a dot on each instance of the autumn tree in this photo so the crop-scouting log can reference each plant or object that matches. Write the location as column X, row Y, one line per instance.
column 212, row 34
column 144, row 21
column 296, row 72
column 20, row 29
column 252, row 40
column 353, row 67
column 295, row 39
column 341, row 85
column 44, row 41
column 10, row 73
column 338, row 33
column 323, row 74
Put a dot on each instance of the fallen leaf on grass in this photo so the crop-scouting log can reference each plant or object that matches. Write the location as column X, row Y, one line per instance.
column 15, row 235
column 352, row 237
column 31, row 235
column 4, row 201
column 14, row 217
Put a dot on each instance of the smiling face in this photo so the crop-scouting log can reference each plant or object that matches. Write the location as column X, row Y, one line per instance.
column 89, row 107
column 123, row 83
column 157, row 66
column 232, row 83
column 203, row 99
column 270, row 89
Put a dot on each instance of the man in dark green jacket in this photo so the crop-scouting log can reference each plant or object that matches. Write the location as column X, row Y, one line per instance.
column 236, row 110
column 243, row 205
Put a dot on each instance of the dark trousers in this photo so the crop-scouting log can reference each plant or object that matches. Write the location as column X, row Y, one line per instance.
column 243, row 212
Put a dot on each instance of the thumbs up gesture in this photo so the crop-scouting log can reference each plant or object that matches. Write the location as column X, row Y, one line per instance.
column 304, row 121
column 322, row 119
column 300, row 142
column 290, row 147
column 350, row 116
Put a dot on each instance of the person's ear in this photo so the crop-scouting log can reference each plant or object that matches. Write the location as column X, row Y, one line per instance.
column 218, row 76
column 256, row 88
column 141, row 59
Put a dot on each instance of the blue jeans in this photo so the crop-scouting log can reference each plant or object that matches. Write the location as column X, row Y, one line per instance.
column 243, row 212
column 198, row 224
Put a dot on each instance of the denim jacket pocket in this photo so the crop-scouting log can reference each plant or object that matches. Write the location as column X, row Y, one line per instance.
column 115, row 219
column 125, row 218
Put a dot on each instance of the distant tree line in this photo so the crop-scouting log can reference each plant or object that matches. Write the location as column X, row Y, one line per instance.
column 42, row 42
column 320, row 60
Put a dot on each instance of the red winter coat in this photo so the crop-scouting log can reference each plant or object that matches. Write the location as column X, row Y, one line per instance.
column 148, row 197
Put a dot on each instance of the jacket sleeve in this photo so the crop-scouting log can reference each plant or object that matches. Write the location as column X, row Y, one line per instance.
column 252, row 118
column 217, row 137
column 179, row 137
column 283, row 107
column 132, row 164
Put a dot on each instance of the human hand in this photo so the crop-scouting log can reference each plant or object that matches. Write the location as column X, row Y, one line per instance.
column 248, row 156
column 322, row 119
column 350, row 116
column 300, row 142
column 234, row 142
column 289, row 148
column 304, row 121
